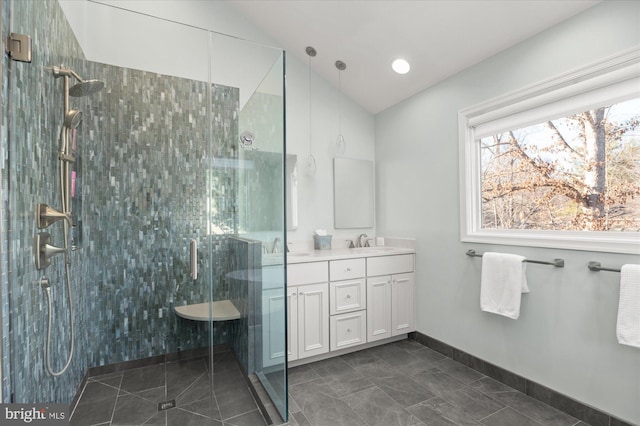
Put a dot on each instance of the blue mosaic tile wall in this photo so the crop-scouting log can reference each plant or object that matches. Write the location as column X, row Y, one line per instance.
column 149, row 181
column 32, row 112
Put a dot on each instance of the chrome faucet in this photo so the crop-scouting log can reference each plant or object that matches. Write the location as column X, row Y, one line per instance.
column 274, row 249
column 359, row 240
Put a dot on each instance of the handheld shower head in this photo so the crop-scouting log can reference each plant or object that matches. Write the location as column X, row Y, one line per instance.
column 72, row 119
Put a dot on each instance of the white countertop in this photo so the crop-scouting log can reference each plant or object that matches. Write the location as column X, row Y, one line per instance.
column 344, row 253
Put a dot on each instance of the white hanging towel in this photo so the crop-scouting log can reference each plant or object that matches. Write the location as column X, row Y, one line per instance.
column 628, row 326
column 502, row 284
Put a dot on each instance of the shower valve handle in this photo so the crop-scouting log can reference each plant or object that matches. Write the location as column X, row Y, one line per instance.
column 43, row 251
column 46, row 215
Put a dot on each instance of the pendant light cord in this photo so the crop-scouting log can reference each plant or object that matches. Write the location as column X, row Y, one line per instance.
column 340, row 145
column 340, row 102
column 309, row 88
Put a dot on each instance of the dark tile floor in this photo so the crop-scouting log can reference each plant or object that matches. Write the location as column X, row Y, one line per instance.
column 131, row 397
column 402, row 383
column 407, row 384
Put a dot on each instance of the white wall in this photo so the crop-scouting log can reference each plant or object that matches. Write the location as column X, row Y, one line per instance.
column 134, row 40
column 565, row 337
column 315, row 193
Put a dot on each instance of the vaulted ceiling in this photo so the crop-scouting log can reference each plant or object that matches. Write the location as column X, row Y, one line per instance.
column 438, row 37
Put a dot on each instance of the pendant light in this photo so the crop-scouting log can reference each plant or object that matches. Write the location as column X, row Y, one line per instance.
column 310, row 162
column 341, row 145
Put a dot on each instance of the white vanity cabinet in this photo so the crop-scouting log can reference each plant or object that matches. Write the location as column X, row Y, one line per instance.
column 390, row 296
column 308, row 309
column 348, row 303
column 340, row 301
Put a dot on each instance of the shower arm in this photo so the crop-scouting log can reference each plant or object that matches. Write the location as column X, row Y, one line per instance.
column 66, row 72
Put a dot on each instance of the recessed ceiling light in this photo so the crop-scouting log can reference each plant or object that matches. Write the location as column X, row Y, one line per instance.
column 401, row 66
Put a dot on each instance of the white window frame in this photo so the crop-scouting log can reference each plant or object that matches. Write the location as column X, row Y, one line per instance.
column 615, row 79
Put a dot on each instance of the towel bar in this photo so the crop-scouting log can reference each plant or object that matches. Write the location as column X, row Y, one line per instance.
column 595, row 266
column 558, row 263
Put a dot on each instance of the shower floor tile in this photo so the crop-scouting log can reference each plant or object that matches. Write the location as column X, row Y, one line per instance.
column 132, row 397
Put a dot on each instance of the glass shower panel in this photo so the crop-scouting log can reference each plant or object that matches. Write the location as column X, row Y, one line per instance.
column 259, row 146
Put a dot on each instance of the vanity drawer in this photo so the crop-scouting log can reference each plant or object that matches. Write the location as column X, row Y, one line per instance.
column 346, row 269
column 387, row 265
column 307, row 273
column 348, row 330
column 347, row 296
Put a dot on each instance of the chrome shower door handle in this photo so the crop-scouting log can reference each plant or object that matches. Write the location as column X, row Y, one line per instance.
column 193, row 249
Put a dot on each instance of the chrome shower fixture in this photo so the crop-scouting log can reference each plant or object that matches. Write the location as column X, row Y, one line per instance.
column 72, row 119
column 46, row 215
column 247, row 138
column 43, row 251
column 84, row 87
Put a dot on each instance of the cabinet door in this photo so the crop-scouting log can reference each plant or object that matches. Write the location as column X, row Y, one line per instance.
column 348, row 330
column 292, row 323
column 403, row 303
column 378, row 308
column 272, row 326
column 313, row 320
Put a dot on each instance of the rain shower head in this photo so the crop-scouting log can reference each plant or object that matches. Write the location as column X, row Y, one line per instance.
column 86, row 87
column 72, row 119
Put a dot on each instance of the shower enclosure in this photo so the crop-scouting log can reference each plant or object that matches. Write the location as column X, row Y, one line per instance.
column 145, row 188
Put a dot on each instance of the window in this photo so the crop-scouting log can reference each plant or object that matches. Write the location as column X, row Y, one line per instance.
column 557, row 164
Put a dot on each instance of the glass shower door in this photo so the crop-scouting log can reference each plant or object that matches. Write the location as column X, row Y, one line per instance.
column 155, row 213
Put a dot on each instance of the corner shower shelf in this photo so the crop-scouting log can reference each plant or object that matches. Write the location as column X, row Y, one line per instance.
column 223, row 310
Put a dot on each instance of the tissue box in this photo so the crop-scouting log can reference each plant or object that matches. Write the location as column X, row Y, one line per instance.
column 322, row 242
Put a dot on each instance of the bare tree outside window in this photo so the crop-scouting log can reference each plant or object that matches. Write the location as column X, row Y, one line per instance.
column 574, row 173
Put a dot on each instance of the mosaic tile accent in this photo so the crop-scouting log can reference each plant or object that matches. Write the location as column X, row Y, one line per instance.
column 151, row 181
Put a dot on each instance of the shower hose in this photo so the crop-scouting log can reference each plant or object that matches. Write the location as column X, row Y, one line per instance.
column 65, row 191
column 47, row 290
